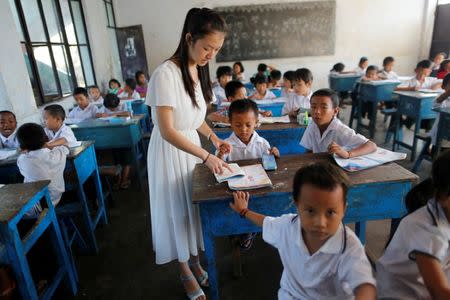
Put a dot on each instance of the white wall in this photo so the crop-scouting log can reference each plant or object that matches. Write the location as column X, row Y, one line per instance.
column 375, row 29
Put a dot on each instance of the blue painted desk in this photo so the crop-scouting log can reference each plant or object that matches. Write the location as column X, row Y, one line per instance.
column 285, row 136
column 374, row 92
column 276, row 92
column 375, row 194
column 343, row 82
column 275, row 106
column 418, row 106
column 15, row 201
column 126, row 134
column 443, row 132
column 250, row 88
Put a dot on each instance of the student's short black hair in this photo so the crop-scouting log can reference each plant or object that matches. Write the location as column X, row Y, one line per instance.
column 424, row 64
column 339, row 67
column 275, row 75
column 387, row 60
column 131, row 83
column 31, row 136
column 111, row 101
column 289, row 75
column 114, row 81
column 242, row 106
column 240, row 65
column 371, row 68
column 439, row 175
column 5, row 112
column 303, row 74
column 80, row 91
column 328, row 93
column 323, row 175
column 56, row 111
column 94, row 86
column 259, row 79
column 446, row 81
column 443, row 65
column 419, row 195
column 224, row 71
column 232, row 87
column 362, row 60
column 138, row 74
column 262, row 68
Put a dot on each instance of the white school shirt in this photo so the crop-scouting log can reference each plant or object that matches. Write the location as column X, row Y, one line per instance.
column 10, row 141
column 391, row 75
column 63, row 132
column 333, row 272
column 433, row 131
column 219, row 92
column 337, row 131
column 255, row 148
column 295, row 102
column 360, row 70
column 45, row 164
column 105, row 110
column 134, row 96
column 427, row 84
column 99, row 101
column 397, row 273
column 79, row 114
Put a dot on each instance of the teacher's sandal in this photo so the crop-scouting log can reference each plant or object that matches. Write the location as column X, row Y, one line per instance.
column 203, row 278
column 196, row 294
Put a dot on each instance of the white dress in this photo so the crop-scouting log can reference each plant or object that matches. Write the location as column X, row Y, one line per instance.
column 176, row 226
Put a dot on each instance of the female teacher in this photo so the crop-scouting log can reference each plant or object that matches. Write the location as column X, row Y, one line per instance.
column 178, row 93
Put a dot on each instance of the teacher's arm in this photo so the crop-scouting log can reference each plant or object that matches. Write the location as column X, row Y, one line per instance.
column 221, row 145
column 171, row 135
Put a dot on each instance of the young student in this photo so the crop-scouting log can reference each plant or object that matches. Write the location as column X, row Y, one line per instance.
column 261, row 93
column 37, row 162
column 275, row 77
column 85, row 109
column 338, row 68
column 415, row 264
column 362, row 66
column 262, row 70
column 57, row 132
column 129, row 91
column 422, row 79
column 322, row 258
column 437, row 60
column 95, row 97
column 444, row 69
column 442, row 101
column 114, row 87
column 112, row 107
column 387, row 72
column 288, row 83
column 301, row 96
column 328, row 134
column 8, row 126
column 238, row 71
column 371, row 74
column 141, row 84
column 224, row 75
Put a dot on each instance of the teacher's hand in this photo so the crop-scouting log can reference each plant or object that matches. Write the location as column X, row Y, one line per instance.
column 221, row 145
column 216, row 165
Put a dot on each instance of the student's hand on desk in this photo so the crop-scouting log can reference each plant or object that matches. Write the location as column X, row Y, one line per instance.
column 216, row 165
column 240, row 201
column 334, row 148
column 266, row 113
column 275, row 152
column 101, row 115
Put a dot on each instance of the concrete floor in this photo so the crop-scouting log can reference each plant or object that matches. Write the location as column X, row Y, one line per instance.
column 125, row 267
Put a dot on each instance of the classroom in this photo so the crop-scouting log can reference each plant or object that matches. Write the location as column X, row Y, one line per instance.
column 241, row 149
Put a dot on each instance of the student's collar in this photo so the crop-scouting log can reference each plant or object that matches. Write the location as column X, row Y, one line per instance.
column 438, row 214
column 334, row 245
column 242, row 144
column 332, row 126
column 59, row 130
column 9, row 138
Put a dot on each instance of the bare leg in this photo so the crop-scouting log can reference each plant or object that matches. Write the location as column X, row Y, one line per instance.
column 196, row 267
column 189, row 285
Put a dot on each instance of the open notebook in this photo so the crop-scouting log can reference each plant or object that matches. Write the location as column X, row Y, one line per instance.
column 379, row 157
column 246, row 177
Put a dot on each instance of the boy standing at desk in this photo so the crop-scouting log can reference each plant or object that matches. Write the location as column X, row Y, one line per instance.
column 57, row 132
column 8, row 126
column 328, row 134
column 422, row 79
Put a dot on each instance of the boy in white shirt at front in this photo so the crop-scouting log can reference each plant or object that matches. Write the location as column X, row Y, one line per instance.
column 129, row 91
column 37, row 162
column 422, row 80
column 95, row 96
column 322, row 258
column 85, row 109
column 328, row 134
column 303, row 80
column 8, row 126
column 388, row 69
column 57, row 132
column 224, row 75
column 415, row 264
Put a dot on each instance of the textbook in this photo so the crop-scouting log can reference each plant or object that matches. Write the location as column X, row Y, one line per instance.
column 379, row 157
column 255, row 178
column 430, row 91
column 271, row 120
column 227, row 175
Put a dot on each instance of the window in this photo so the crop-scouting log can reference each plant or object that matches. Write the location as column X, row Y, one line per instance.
column 55, row 46
column 110, row 14
column 111, row 24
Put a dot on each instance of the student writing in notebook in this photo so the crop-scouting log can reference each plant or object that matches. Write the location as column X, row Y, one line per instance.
column 422, row 79
column 322, row 258
column 328, row 134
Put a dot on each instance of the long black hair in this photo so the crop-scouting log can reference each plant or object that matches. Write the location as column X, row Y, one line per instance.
column 199, row 23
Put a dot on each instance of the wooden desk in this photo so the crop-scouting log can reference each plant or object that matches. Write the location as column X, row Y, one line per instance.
column 375, row 194
column 285, row 136
column 443, row 132
column 107, row 136
column 343, row 82
column 418, row 106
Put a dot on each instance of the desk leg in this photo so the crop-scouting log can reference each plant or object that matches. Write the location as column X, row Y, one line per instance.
column 416, row 131
column 397, row 128
column 359, row 110
column 136, row 166
column 373, row 119
column 90, row 230
column 360, row 230
column 101, row 201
